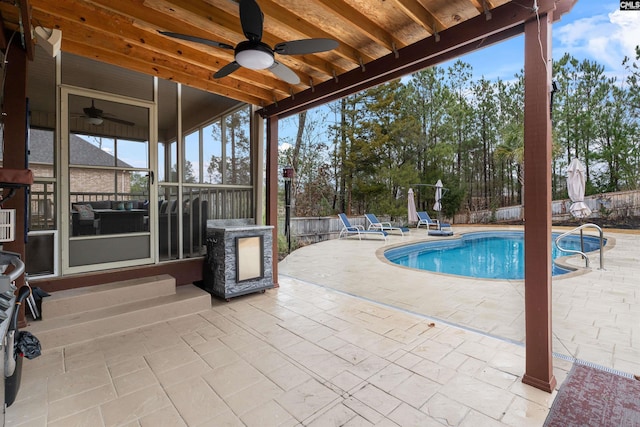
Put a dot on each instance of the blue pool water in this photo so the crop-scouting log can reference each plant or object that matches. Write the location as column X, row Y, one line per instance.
column 488, row 255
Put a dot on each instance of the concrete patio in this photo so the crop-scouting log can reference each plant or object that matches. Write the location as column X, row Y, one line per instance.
column 596, row 313
column 347, row 339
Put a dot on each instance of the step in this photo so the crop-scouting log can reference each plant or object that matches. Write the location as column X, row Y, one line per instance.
column 80, row 327
column 78, row 300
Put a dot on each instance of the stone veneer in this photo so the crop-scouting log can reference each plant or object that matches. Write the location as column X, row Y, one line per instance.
column 219, row 277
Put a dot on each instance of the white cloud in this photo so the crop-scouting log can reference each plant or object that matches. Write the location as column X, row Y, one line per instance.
column 629, row 33
column 606, row 38
column 284, row 146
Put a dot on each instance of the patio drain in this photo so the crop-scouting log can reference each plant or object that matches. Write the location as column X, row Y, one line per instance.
column 592, row 365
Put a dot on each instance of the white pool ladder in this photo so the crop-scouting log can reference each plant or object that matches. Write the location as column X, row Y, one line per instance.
column 581, row 252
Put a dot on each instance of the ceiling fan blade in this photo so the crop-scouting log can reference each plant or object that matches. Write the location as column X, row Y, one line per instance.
column 284, row 73
column 226, row 70
column 251, row 18
column 119, row 121
column 196, row 39
column 303, row 47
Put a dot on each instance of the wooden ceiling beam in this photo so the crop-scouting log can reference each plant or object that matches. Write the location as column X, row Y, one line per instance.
column 125, row 27
column 562, row 7
column 161, row 71
column 507, row 21
column 134, row 34
column 118, row 52
column 3, row 39
column 142, row 34
column 25, row 28
column 203, row 15
column 363, row 24
column 421, row 16
column 210, row 22
column 284, row 18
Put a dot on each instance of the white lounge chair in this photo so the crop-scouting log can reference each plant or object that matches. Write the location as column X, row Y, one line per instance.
column 348, row 229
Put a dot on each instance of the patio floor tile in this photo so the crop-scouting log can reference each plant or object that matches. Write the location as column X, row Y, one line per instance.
column 304, row 354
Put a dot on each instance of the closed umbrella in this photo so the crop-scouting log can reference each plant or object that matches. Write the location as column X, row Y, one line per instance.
column 411, row 207
column 575, row 186
column 438, row 205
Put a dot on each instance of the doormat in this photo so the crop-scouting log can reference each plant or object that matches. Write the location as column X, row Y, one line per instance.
column 592, row 397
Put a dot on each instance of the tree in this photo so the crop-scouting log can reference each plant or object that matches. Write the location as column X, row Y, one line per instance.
column 510, row 150
column 485, row 124
column 459, row 111
column 307, row 155
column 237, row 164
column 188, row 173
column 439, row 124
column 139, row 183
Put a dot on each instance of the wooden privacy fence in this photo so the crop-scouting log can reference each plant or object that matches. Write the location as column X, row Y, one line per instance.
column 317, row 229
column 608, row 205
column 605, row 205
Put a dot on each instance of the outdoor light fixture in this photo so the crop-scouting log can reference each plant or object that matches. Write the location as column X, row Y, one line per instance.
column 95, row 120
column 256, row 56
column 287, row 175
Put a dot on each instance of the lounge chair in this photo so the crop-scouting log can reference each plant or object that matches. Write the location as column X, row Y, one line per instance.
column 348, row 229
column 375, row 224
column 441, row 228
column 425, row 219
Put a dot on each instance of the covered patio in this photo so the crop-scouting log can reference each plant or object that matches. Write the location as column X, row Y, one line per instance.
column 378, row 42
column 302, row 354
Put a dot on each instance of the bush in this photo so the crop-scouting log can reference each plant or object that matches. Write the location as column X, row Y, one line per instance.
column 283, row 246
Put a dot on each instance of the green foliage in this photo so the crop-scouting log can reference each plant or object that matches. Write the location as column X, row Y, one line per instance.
column 453, row 201
column 139, row 183
column 441, row 124
column 283, row 245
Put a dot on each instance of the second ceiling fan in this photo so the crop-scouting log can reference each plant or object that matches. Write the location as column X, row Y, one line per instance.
column 96, row 116
column 253, row 53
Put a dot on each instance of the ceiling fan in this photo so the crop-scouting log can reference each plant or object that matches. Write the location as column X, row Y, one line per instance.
column 96, row 116
column 256, row 55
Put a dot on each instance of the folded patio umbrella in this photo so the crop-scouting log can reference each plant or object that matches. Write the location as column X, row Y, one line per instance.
column 438, row 205
column 575, row 186
column 411, row 207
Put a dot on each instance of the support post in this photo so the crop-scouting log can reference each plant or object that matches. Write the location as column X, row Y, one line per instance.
column 272, row 188
column 15, row 137
column 537, row 204
column 15, row 144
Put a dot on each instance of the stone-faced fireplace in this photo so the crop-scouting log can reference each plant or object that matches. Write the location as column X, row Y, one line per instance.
column 239, row 260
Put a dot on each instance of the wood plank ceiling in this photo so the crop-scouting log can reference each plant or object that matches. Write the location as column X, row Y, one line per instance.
column 125, row 33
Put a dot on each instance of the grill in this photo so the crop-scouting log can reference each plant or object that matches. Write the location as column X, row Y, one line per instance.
column 11, row 180
column 12, row 366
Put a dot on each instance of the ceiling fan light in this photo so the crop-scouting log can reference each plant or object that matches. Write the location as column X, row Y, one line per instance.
column 95, row 120
column 254, row 59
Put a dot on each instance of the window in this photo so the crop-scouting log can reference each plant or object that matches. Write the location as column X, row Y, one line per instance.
column 191, row 169
column 237, row 153
column 42, row 194
column 212, row 153
column 219, row 152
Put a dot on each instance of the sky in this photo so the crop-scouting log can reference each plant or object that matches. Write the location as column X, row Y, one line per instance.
column 594, row 29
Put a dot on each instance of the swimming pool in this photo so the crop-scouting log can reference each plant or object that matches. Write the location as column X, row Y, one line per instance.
column 487, row 255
